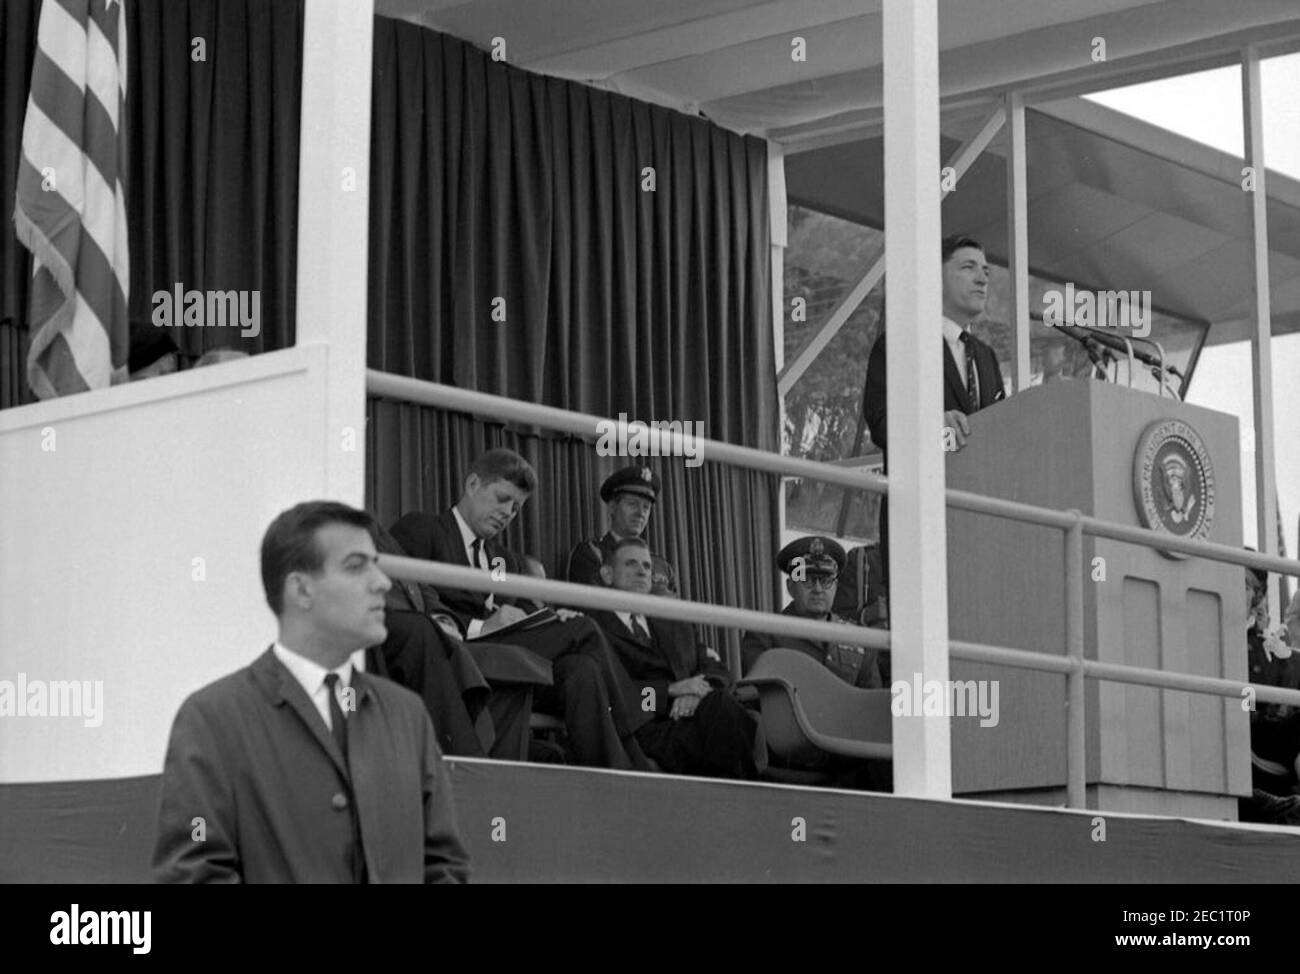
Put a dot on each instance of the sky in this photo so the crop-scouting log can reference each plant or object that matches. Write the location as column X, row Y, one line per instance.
column 1207, row 107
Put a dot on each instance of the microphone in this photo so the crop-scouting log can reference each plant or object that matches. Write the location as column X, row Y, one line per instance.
column 1118, row 344
column 1090, row 346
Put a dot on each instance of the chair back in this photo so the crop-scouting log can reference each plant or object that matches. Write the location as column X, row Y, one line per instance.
column 808, row 710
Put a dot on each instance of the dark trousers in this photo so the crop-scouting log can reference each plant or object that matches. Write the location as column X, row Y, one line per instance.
column 592, row 694
column 417, row 655
column 717, row 740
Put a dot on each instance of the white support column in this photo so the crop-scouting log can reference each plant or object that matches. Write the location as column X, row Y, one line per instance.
column 917, row 523
column 1018, row 235
column 333, row 223
column 778, row 231
column 1260, row 347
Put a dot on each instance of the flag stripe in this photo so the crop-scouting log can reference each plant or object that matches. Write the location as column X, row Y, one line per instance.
column 62, row 38
column 58, row 374
column 80, row 117
column 102, row 72
column 91, row 205
column 77, row 10
column 79, row 249
column 104, row 17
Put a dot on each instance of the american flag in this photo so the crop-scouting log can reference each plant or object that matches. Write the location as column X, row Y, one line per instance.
column 70, row 204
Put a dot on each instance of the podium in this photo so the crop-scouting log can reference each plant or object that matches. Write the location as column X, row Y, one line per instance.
column 1074, row 445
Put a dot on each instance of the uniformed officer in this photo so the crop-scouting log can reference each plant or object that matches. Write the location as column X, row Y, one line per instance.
column 813, row 565
column 629, row 495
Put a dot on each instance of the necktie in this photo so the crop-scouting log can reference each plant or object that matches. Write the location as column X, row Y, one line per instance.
column 338, row 723
column 339, row 728
column 476, row 552
column 972, row 376
column 639, row 627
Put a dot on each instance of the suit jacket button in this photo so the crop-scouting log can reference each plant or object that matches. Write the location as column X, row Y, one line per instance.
column 339, row 801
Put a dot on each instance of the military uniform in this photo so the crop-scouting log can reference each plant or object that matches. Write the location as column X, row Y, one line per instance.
column 813, row 557
column 587, row 556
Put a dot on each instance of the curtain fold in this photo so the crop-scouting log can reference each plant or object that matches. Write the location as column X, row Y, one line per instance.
column 212, row 167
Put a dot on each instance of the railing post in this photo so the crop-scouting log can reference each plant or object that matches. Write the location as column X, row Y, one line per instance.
column 1076, row 772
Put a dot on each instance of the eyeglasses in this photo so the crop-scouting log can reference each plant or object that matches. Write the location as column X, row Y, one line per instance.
column 821, row 581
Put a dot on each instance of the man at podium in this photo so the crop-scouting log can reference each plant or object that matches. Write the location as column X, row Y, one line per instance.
column 972, row 378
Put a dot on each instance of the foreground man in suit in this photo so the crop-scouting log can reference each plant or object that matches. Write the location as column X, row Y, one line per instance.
column 698, row 727
column 300, row 768
column 972, row 379
column 630, row 495
column 592, row 692
column 814, row 564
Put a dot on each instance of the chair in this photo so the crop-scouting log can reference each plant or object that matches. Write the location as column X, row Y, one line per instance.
column 808, row 712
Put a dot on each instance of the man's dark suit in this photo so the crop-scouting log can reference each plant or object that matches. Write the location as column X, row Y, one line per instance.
column 479, row 695
column 852, row 664
column 592, row 692
column 255, row 789
column 718, row 739
column 955, row 396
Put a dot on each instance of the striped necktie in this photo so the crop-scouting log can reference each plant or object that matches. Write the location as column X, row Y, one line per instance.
column 972, row 376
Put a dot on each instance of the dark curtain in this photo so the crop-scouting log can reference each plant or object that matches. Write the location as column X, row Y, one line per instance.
column 212, row 179
column 490, row 182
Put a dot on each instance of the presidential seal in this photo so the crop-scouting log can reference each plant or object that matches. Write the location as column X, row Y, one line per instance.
column 1173, row 481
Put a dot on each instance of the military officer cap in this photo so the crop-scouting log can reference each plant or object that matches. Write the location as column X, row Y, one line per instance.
column 821, row 556
column 635, row 479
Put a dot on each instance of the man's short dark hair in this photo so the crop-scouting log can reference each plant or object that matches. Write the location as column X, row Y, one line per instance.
column 289, row 544
column 956, row 242
column 611, row 556
column 507, row 465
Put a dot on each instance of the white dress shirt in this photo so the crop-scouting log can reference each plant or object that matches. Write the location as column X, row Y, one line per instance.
column 468, row 537
column 311, row 675
column 627, row 618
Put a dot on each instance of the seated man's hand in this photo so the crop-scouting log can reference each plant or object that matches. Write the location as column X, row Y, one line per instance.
column 956, row 428
column 684, row 706
column 692, row 686
column 502, row 616
column 564, row 615
column 448, row 625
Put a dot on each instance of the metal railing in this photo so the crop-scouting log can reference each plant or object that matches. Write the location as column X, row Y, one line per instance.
column 1073, row 524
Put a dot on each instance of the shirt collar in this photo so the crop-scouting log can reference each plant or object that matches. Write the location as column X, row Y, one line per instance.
column 952, row 331
column 309, row 673
column 467, row 535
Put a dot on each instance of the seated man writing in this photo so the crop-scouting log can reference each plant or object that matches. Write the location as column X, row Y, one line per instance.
column 592, row 692
column 698, row 726
column 479, row 696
